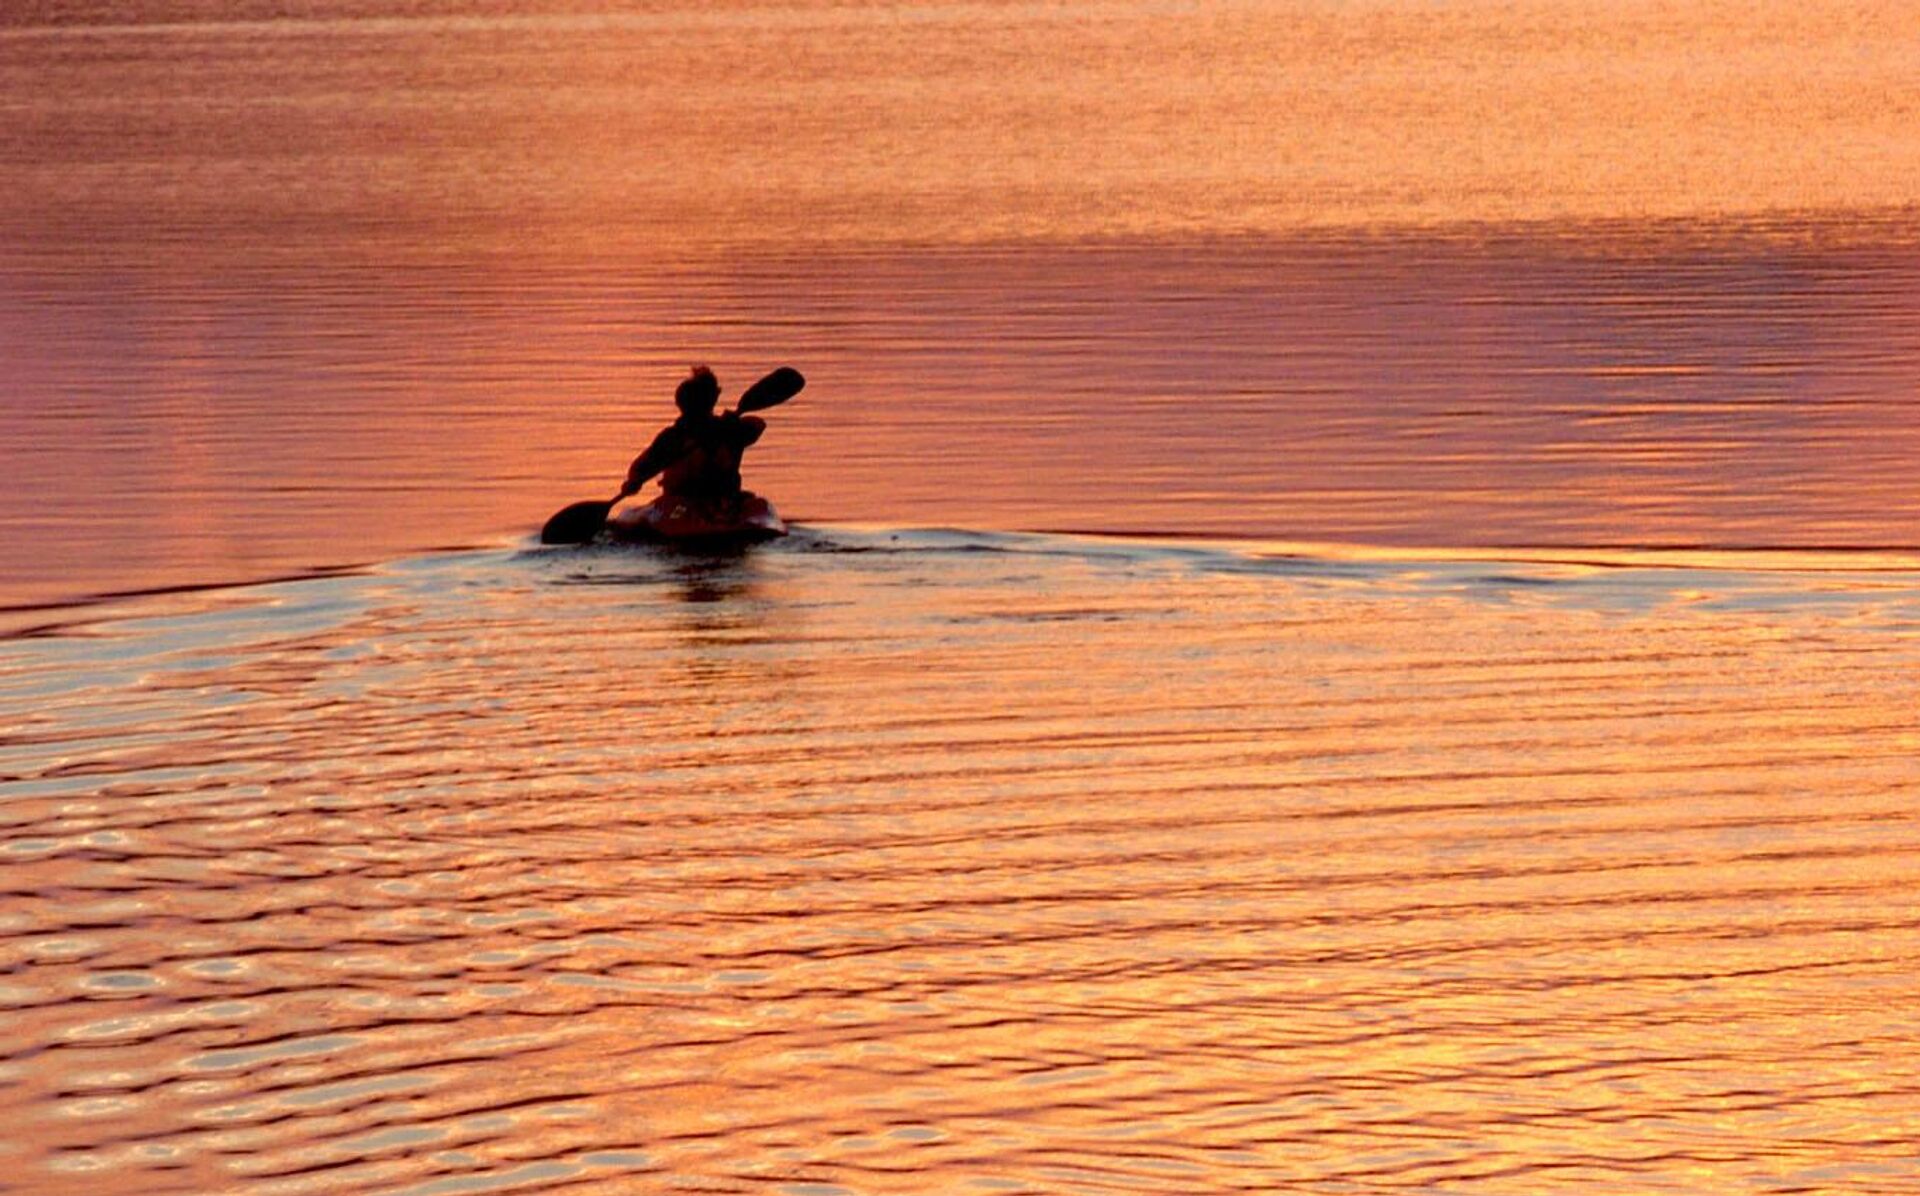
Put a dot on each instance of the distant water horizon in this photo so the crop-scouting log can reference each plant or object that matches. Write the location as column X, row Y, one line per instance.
column 615, row 125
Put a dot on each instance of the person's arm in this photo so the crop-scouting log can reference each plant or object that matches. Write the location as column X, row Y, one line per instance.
column 745, row 428
column 664, row 451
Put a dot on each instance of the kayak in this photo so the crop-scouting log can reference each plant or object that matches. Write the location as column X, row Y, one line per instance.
column 719, row 522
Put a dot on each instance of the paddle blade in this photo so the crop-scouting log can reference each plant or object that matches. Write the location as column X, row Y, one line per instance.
column 576, row 524
column 772, row 390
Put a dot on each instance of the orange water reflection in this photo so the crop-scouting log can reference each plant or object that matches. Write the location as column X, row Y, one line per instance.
column 1677, row 389
column 617, row 124
column 884, row 859
column 282, row 289
column 890, row 862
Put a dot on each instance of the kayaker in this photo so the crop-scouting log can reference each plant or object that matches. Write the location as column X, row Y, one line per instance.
column 698, row 455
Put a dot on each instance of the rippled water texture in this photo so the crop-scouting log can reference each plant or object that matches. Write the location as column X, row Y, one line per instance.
column 884, row 862
column 1486, row 765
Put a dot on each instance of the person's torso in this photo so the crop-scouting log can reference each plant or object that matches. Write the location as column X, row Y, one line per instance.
column 709, row 461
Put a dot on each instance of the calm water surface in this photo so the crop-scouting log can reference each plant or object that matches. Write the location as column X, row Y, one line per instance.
column 288, row 290
column 247, row 423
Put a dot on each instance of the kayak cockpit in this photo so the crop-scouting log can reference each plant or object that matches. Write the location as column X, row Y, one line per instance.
column 745, row 518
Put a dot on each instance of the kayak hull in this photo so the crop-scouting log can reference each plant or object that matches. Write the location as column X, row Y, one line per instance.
column 717, row 523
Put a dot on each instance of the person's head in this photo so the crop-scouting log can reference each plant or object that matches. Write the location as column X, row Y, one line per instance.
column 698, row 393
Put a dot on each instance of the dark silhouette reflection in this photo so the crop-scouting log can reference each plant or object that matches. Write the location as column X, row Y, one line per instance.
column 732, row 638
column 709, row 579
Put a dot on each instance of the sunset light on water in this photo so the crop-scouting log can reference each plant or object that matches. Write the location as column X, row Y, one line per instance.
column 1351, row 619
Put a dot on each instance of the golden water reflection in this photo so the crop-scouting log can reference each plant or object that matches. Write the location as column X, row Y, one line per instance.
column 283, row 289
column 608, row 126
column 874, row 861
column 1677, row 389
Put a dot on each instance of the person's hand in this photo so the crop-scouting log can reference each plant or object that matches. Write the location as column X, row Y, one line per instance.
column 629, row 488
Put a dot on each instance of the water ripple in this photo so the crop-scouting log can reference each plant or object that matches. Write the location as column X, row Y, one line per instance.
column 1066, row 865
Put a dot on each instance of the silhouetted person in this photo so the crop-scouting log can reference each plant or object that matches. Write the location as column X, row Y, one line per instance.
column 698, row 455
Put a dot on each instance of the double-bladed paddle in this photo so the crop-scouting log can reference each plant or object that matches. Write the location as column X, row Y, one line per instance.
column 583, row 520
